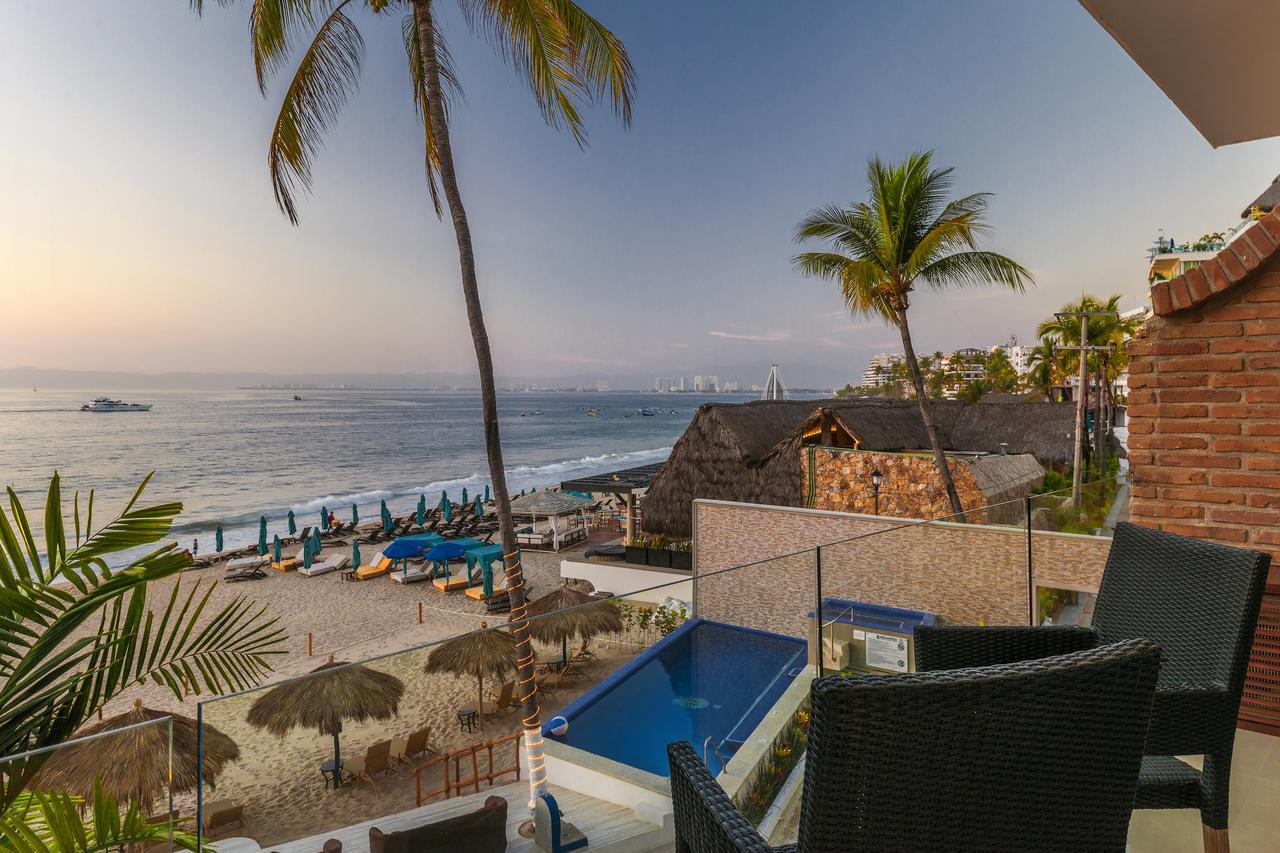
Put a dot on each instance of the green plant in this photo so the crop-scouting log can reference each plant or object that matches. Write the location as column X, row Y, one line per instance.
column 683, row 546
column 56, row 676
column 906, row 233
column 772, row 771
column 644, row 618
column 38, row 822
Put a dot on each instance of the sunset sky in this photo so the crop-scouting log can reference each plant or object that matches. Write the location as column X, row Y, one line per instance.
column 138, row 229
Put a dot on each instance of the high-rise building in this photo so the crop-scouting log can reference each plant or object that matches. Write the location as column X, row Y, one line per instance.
column 667, row 384
column 877, row 371
column 706, row 384
column 602, row 385
column 730, row 388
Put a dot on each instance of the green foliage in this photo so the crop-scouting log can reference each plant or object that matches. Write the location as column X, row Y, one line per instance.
column 55, row 675
column 37, row 822
column 772, row 771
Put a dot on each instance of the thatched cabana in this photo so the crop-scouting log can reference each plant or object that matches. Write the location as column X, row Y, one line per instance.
column 481, row 654
column 332, row 693
column 566, row 613
column 134, row 765
column 751, row 452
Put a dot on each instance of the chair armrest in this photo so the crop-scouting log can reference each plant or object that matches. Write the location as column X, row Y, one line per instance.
column 961, row 646
column 1190, row 720
column 705, row 817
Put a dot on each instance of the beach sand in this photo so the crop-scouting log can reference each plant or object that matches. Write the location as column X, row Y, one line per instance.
column 278, row 780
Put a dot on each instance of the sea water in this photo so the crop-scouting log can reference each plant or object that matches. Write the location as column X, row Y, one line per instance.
column 233, row 456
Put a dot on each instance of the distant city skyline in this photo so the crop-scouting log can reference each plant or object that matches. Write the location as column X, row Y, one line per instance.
column 138, row 231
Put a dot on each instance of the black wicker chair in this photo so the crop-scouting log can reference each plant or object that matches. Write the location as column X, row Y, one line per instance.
column 1200, row 602
column 1040, row 755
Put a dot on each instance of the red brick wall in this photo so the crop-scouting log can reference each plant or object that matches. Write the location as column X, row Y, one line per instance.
column 1204, row 405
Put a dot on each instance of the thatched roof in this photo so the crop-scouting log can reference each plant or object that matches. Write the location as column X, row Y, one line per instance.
column 481, row 653
column 1267, row 202
column 548, row 502
column 751, row 451
column 567, row 613
column 134, row 765
column 323, row 699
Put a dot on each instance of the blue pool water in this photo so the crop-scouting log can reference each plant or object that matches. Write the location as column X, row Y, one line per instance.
column 704, row 680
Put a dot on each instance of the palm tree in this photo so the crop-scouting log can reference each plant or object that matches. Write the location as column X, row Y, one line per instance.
column 998, row 372
column 569, row 59
column 55, row 675
column 907, row 232
column 1044, row 373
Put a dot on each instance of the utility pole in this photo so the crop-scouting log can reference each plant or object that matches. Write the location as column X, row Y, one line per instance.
column 1082, row 393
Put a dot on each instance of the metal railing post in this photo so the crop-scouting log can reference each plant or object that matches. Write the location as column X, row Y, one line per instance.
column 817, row 612
column 1031, row 586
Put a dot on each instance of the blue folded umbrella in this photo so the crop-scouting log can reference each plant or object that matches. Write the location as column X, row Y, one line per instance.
column 217, row 538
column 316, row 544
column 450, row 550
column 355, row 515
column 355, row 553
column 324, row 518
column 293, row 524
column 262, row 536
column 275, row 549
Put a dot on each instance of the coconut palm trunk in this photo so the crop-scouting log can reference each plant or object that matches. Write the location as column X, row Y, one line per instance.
column 926, row 416
column 531, row 716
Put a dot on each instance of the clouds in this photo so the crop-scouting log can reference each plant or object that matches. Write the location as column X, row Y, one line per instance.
column 773, row 336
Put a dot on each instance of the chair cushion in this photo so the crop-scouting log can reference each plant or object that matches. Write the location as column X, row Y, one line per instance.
column 481, row 831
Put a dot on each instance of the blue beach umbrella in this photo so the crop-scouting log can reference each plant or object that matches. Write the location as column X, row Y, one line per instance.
column 464, row 500
column 275, row 550
column 402, row 549
column 421, row 515
column 324, row 518
column 355, row 553
column 262, row 536
column 486, row 494
column 444, row 552
column 479, row 506
column 217, row 538
column 308, row 553
column 355, row 515
column 316, row 544
column 293, row 524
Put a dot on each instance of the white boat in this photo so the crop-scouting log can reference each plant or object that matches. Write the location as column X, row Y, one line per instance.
column 106, row 404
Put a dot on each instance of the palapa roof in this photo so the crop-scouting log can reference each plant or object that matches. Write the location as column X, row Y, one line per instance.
column 1267, row 202
column 548, row 502
column 750, row 452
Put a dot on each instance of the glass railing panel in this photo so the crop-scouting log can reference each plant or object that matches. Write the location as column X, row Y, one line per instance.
column 130, row 765
column 1070, row 540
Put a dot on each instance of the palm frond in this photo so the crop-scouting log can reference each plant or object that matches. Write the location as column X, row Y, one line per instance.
column 50, row 822
column 603, row 63
column 971, row 269
column 325, row 77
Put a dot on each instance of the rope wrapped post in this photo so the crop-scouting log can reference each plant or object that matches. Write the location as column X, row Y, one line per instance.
column 309, row 652
column 527, row 687
column 419, row 612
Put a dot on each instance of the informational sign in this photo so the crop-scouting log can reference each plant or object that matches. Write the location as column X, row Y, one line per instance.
column 885, row 651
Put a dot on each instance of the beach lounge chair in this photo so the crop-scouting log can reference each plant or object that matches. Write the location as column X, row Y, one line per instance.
column 376, row 567
column 406, row 749
column 503, row 700
column 331, row 564
column 412, row 574
column 377, row 759
column 251, row 574
column 221, row 815
column 241, row 563
column 551, row 833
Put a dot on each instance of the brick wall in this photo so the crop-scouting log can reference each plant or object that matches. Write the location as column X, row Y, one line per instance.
column 961, row 572
column 1204, row 405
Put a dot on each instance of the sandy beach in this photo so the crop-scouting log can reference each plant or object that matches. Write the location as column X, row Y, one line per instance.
column 278, row 780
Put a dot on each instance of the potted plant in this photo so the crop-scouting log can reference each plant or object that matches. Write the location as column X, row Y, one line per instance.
column 657, row 553
column 682, row 555
column 634, row 550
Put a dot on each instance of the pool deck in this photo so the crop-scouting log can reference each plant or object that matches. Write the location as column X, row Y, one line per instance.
column 607, row 826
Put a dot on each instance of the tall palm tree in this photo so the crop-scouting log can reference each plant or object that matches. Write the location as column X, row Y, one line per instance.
column 905, row 233
column 569, row 60
column 1044, row 372
column 55, row 675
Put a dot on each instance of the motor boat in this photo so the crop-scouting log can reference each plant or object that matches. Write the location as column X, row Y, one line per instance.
column 106, row 404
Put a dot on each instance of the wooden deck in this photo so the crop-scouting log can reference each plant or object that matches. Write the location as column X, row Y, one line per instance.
column 607, row 826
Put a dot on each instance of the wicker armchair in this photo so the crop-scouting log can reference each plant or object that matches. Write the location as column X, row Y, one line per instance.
column 1039, row 755
column 1200, row 602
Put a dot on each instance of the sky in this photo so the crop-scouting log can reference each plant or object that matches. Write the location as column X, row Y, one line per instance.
column 138, row 230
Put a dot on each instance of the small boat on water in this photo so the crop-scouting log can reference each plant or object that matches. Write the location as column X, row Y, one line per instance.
column 296, row 397
column 106, row 404
column 646, row 413
column 592, row 413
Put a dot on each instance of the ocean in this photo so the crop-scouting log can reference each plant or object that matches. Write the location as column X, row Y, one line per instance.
column 231, row 457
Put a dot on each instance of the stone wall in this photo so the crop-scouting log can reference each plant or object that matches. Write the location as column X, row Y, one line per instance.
column 1204, row 404
column 911, row 487
column 963, row 573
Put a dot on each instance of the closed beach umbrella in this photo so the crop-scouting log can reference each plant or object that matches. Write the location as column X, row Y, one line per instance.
column 384, row 513
column 324, row 518
column 293, row 524
column 561, row 616
column 275, row 550
column 217, row 538
column 522, row 493
column 444, row 499
column 134, row 765
column 316, row 544
column 481, row 653
column 479, row 506
column 421, row 515
column 333, row 694
column 448, row 511
column 308, row 552
column 534, row 489
column 355, row 553
column 262, row 536
column 486, row 494
column 464, row 500
column 355, row 515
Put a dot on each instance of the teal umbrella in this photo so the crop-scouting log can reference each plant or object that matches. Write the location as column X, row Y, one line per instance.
column 308, row 553
column 387, row 521
column 486, row 494
column 421, row 515
column 384, row 512
column 355, row 515
column 464, row 500
column 262, row 536
column 293, row 524
column 448, row 511
column 355, row 553
column 316, row 544
column 522, row 493
column 534, row 489
column 479, row 506
column 217, row 538
column 275, row 550
column 444, row 499
column 324, row 518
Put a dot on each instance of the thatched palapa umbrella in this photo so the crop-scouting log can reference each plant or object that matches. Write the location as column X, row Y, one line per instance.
column 479, row 653
column 134, row 765
column 331, row 694
column 566, row 613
